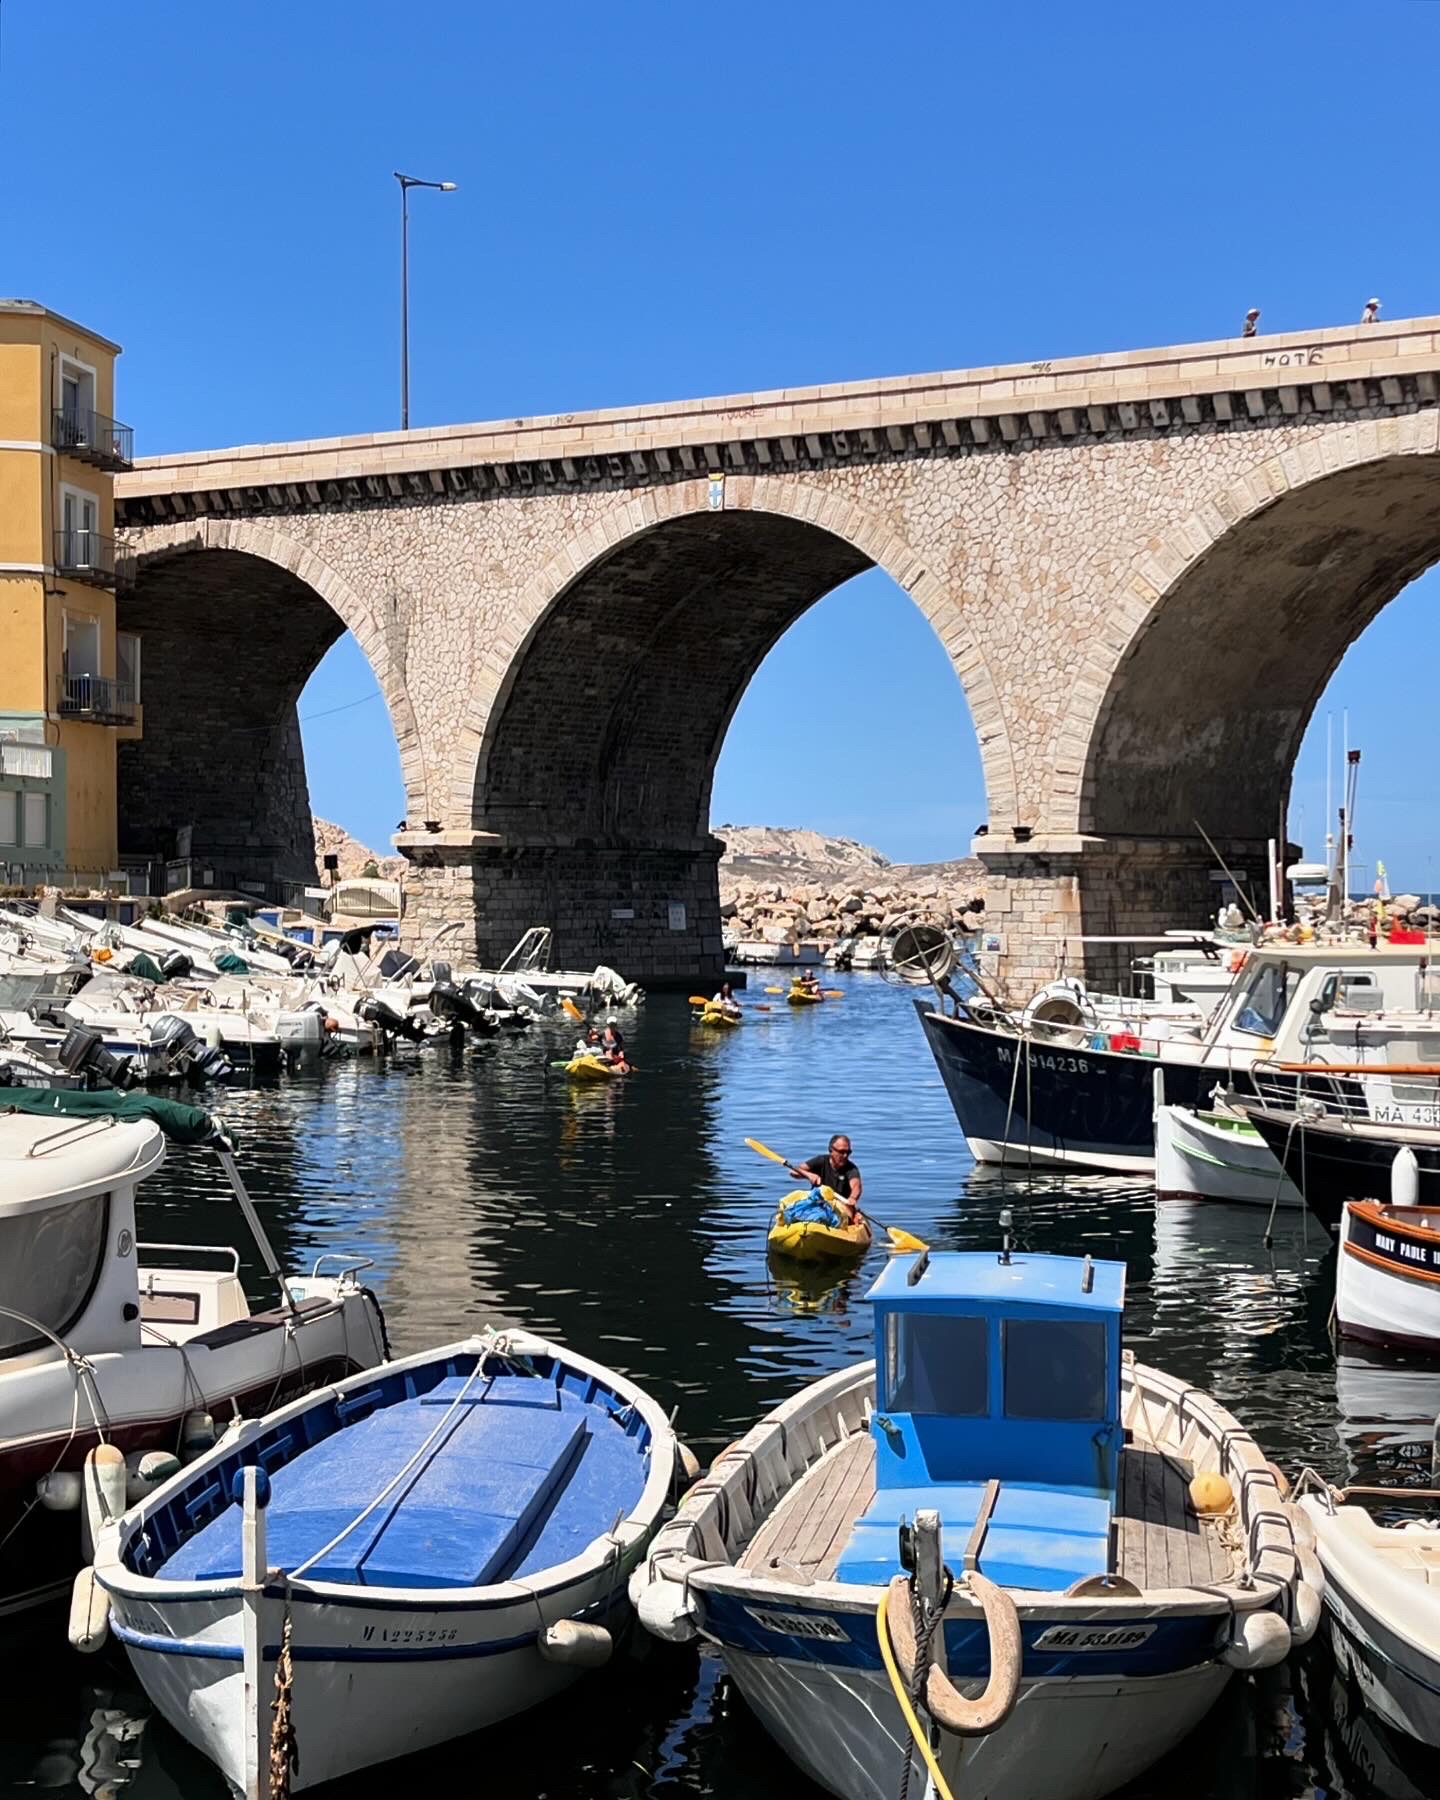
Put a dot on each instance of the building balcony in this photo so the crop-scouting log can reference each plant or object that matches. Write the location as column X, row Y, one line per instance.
column 87, row 556
column 92, row 438
column 97, row 700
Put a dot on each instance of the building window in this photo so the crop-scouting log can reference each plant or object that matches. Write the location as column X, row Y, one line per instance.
column 36, row 820
column 82, row 646
column 127, row 665
column 9, row 816
column 77, row 395
column 80, row 545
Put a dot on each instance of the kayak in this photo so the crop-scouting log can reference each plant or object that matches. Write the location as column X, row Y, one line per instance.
column 807, row 1240
column 798, row 997
column 713, row 1015
column 590, row 1068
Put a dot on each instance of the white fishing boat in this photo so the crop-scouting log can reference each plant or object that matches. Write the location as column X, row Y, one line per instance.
column 1003, row 1498
column 393, row 1562
column 144, row 1348
column 1387, row 1274
column 1382, row 1597
column 1212, row 1153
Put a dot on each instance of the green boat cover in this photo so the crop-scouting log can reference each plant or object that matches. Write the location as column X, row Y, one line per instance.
column 181, row 1124
column 144, row 967
column 228, row 963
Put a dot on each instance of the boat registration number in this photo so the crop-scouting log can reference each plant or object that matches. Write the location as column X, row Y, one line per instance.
column 1094, row 1637
column 1058, row 1060
column 409, row 1634
column 799, row 1625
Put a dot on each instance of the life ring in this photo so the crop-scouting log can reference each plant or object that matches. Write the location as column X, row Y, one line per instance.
column 949, row 1708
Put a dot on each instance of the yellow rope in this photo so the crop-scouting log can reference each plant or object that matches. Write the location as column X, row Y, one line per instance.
column 887, row 1656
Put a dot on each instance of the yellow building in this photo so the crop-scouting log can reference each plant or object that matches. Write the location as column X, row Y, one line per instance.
column 69, row 682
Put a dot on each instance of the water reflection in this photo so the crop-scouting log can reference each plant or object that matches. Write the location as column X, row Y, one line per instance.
column 630, row 1219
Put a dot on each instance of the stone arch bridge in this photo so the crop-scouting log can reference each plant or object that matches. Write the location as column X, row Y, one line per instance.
column 1144, row 568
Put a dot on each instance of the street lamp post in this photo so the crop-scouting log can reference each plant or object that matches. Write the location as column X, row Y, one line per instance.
column 406, row 183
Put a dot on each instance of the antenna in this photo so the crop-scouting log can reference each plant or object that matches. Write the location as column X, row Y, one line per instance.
column 1007, row 1221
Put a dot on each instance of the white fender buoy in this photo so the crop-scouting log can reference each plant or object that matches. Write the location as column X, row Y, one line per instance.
column 104, row 1486
column 89, row 1612
column 145, row 1470
column 688, row 1461
column 1308, row 1597
column 60, row 1492
column 665, row 1611
column 197, row 1435
column 1404, row 1178
column 577, row 1645
column 1258, row 1640
column 1301, row 1524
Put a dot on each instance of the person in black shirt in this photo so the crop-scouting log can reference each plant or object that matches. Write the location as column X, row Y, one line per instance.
column 835, row 1171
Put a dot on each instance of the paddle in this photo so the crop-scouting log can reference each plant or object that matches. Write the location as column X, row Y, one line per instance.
column 570, row 1007
column 899, row 1240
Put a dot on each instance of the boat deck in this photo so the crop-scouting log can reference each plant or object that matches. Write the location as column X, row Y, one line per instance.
column 1156, row 1541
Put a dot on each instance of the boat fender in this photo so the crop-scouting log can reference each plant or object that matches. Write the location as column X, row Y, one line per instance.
column 1282, row 1480
column 60, row 1492
column 145, row 1470
column 89, row 1612
column 104, row 1486
column 1211, row 1494
column 576, row 1645
column 687, row 1463
column 197, row 1435
column 666, row 1612
column 1258, row 1640
column 950, row 1709
column 1301, row 1525
column 1306, row 1605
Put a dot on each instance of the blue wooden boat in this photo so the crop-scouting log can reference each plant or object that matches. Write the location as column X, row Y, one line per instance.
column 397, row 1560
column 1001, row 1500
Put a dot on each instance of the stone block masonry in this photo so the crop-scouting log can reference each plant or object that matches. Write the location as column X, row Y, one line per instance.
column 1142, row 566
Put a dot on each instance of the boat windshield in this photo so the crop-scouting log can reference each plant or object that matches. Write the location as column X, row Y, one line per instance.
column 1265, row 1000
column 936, row 1363
column 49, row 1262
column 1054, row 1369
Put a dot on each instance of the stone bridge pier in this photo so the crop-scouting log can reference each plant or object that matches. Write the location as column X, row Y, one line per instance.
column 1144, row 568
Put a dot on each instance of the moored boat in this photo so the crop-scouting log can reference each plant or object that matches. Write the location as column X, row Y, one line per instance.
column 1099, row 1543
column 1215, row 1153
column 393, row 1562
column 1387, row 1276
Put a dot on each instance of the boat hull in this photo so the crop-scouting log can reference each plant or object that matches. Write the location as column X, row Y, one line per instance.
column 1387, row 1280
column 1331, row 1163
column 1069, row 1738
column 811, row 1242
column 1060, row 1107
column 1202, row 1156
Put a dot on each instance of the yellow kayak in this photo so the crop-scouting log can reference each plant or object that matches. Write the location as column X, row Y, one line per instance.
column 590, row 1068
column 715, row 1016
column 808, row 1241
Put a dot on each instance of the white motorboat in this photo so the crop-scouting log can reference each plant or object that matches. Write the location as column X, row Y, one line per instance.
column 1215, row 1154
column 106, row 1340
column 1387, row 1274
column 1098, row 1543
column 1382, row 1596
column 393, row 1562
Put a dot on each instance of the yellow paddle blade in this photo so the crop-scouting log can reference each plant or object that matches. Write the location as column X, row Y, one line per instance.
column 765, row 1151
column 570, row 1007
column 698, row 1000
column 833, row 993
column 774, row 990
column 903, row 1240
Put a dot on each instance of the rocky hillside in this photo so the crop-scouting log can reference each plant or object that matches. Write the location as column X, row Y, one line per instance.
column 355, row 857
column 782, row 885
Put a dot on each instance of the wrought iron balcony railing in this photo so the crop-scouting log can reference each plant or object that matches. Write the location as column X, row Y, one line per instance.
column 98, row 699
column 86, row 555
column 93, row 438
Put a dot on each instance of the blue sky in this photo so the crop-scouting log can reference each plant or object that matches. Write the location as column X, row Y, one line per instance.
column 657, row 201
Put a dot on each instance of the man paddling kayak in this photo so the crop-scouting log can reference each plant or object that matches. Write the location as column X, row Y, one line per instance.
column 835, row 1171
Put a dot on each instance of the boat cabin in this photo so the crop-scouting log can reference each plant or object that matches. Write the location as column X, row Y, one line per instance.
column 998, row 1405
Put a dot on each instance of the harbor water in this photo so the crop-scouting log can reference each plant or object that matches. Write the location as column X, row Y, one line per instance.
column 629, row 1220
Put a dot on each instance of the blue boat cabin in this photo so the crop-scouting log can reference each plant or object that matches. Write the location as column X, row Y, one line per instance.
column 997, row 1404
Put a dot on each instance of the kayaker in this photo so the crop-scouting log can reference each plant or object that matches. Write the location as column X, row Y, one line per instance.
column 590, row 1045
column 725, row 1001
column 835, row 1171
column 808, row 983
column 612, row 1047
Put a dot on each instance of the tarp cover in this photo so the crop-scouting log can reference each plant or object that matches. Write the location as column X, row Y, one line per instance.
column 181, row 1124
column 228, row 963
column 143, row 967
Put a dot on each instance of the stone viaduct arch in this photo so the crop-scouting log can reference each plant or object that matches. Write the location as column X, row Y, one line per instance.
column 233, row 618
column 1144, row 566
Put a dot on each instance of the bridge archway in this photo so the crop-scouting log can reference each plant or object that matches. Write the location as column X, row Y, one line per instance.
column 585, row 766
column 233, row 618
column 1234, row 623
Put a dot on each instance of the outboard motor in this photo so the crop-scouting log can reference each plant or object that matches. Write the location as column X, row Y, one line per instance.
column 451, row 1004
column 176, row 966
column 392, row 1023
column 82, row 1052
column 183, row 1053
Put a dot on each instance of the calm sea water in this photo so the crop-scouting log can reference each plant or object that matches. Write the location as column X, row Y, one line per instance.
column 630, row 1221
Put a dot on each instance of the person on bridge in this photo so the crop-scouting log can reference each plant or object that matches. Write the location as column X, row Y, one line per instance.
column 835, row 1171
column 725, row 1001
